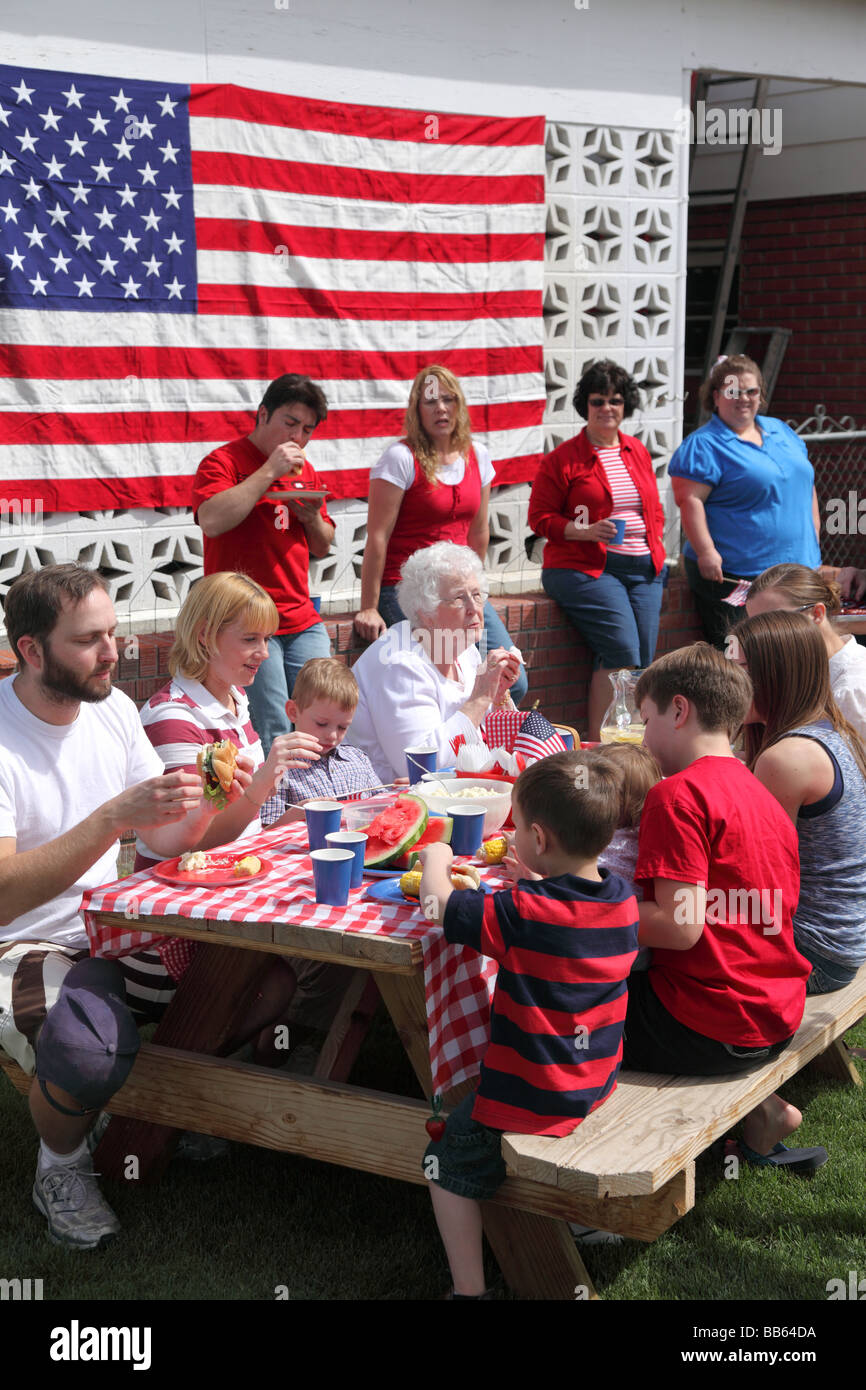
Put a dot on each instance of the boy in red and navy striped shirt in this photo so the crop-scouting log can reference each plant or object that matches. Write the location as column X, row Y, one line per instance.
column 565, row 937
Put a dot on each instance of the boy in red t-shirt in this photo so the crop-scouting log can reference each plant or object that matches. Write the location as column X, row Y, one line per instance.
column 718, row 858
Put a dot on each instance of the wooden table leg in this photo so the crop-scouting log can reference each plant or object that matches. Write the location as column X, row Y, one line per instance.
column 349, row 1028
column 217, row 989
column 407, row 1004
column 836, row 1061
column 537, row 1254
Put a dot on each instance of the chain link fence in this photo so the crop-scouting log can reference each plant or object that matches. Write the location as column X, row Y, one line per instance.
column 837, row 451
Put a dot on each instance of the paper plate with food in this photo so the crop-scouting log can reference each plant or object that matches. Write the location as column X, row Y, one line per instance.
column 297, row 494
column 211, row 869
column 406, row 890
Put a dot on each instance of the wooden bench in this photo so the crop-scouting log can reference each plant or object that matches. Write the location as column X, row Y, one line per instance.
column 652, row 1128
column 629, row 1168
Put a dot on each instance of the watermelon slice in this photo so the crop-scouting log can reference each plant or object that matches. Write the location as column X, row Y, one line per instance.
column 395, row 830
column 438, row 832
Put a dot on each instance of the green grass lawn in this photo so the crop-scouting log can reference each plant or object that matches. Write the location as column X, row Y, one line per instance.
column 240, row 1227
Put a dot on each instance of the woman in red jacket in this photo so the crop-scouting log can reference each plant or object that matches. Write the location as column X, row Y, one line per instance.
column 609, row 583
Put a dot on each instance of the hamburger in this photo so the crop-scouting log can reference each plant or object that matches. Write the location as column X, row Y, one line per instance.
column 216, row 765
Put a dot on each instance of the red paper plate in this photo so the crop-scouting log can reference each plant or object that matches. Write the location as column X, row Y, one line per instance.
column 221, row 874
column 297, row 495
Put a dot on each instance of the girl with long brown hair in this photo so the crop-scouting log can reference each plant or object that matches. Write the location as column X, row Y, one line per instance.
column 804, row 750
column 431, row 485
column 796, row 589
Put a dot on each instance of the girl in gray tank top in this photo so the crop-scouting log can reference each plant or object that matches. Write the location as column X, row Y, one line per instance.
column 787, row 662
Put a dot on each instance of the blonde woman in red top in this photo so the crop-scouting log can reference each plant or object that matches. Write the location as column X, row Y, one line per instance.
column 610, row 589
column 432, row 485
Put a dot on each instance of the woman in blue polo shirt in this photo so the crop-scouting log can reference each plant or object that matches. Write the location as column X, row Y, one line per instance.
column 746, row 493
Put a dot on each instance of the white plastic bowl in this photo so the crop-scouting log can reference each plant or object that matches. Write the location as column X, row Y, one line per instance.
column 496, row 800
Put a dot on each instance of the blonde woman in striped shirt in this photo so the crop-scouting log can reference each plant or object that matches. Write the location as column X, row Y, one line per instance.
column 610, row 588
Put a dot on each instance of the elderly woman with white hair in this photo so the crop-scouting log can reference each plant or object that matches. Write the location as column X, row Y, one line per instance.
column 423, row 682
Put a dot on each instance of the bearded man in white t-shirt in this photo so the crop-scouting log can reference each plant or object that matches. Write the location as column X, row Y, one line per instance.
column 76, row 769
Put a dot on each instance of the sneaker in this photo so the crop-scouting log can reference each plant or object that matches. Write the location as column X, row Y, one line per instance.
column 78, row 1215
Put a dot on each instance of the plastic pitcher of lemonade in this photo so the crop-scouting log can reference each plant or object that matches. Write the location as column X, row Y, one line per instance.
column 622, row 722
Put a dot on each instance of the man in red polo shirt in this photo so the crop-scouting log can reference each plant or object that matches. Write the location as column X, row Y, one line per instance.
column 271, row 541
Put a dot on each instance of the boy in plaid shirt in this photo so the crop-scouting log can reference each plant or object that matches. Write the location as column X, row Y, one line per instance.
column 324, row 699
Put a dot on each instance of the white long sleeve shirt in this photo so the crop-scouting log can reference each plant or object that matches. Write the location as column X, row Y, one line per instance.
column 848, row 683
column 406, row 703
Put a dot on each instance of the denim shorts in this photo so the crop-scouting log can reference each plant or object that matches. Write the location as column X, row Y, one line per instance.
column 827, row 974
column 468, row 1156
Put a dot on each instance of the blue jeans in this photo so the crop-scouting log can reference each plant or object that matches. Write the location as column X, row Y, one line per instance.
column 617, row 614
column 495, row 634
column 827, row 974
column 275, row 679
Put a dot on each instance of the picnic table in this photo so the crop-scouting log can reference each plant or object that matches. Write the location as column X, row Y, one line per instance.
column 438, row 996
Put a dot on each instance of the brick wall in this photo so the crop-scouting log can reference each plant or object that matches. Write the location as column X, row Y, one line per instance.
column 803, row 267
column 559, row 664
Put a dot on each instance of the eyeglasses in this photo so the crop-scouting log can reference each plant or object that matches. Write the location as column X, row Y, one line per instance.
column 477, row 598
column 752, row 393
column 599, row 402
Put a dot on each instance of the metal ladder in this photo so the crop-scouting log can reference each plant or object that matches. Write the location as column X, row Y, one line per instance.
column 737, row 337
column 774, row 353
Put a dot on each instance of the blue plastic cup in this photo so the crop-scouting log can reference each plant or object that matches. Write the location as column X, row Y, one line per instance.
column 619, row 523
column 332, row 875
column 316, row 601
column 322, row 817
column 356, row 843
column 419, row 761
column 467, row 829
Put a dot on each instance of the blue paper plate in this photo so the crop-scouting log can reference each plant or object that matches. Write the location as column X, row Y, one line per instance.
column 390, row 892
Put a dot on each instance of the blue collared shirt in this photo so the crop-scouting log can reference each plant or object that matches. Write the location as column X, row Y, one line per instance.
column 341, row 771
column 759, row 512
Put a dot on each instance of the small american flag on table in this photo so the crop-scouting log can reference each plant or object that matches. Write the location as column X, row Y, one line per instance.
column 537, row 738
column 529, row 735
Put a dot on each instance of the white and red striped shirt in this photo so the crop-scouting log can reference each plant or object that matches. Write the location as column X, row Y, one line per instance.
column 183, row 717
column 626, row 503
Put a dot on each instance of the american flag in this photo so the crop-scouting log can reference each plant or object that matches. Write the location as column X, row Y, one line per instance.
column 167, row 250
column 737, row 597
column 537, row 738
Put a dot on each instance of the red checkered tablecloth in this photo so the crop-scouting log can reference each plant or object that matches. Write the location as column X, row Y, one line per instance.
column 458, row 982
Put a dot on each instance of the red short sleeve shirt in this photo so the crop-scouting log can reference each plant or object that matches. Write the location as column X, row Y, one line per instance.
column 270, row 545
column 743, row 982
